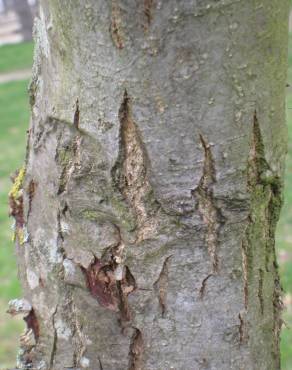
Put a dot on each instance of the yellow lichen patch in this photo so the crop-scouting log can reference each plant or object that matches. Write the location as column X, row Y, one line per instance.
column 20, row 236
column 17, row 185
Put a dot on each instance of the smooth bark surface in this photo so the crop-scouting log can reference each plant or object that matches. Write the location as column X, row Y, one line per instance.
column 146, row 209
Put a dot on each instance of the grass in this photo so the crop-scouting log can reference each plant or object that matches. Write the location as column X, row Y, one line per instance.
column 16, row 56
column 284, row 235
column 14, row 115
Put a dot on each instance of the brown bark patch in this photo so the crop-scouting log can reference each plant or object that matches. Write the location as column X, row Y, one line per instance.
column 116, row 29
column 136, row 351
column 31, row 192
column 148, row 7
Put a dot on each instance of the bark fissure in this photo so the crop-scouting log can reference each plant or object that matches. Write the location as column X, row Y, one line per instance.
column 161, row 285
column 131, row 173
column 100, row 364
column 148, row 9
column 206, row 204
column 116, row 26
column 69, row 161
column 136, row 351
column 258, row 246
column 31, row 192
column 244, row 252
column 260, row 290
column 55, row 339
column 241, row 329
column 76, row 115
column 203, row 286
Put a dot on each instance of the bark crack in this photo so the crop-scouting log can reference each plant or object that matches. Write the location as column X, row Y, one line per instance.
column 70, row 160
column 244, row 252
column 76, row 115
column 100, row 364
column 241, row 329
column 203, row 286
column 136, row 351
column 161, row 285
column 206, row 204
column 148, row 7
column 116, row 28
column 260, row 290
column 55, row 339
column 130, row 173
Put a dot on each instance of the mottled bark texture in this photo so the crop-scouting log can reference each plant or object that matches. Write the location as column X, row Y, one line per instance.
column 147, row 205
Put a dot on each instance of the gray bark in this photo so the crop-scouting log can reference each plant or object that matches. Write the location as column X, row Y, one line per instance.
column 146, row 210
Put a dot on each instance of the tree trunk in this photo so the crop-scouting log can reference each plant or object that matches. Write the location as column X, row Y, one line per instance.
column 146, row 209
column 24, row 13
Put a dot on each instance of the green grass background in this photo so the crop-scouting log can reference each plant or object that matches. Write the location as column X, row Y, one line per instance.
column 14, row 118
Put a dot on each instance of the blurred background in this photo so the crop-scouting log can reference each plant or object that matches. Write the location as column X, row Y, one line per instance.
column 16, row 50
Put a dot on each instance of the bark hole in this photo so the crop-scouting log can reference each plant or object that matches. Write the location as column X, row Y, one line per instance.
column 32, row 324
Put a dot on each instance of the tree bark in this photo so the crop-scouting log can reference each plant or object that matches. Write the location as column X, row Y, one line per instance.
column 147, row 206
